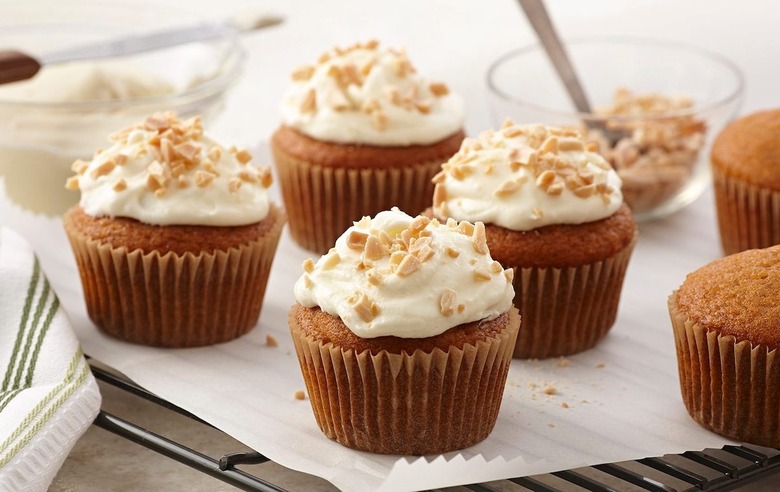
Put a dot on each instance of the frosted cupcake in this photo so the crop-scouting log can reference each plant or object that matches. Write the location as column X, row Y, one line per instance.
column 553, row 212
column 174, row 235
column 404, row 333
column 361, row 132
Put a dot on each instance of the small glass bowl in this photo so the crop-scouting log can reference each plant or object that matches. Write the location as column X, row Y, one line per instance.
column 40, row 138
column 661, row 157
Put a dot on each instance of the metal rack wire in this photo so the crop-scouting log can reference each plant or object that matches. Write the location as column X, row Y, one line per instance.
column 707, row 470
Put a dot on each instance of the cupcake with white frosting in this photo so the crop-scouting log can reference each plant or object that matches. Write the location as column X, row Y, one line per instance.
column 174, row 235
column 361, row 131
column 554, row 213
column 404, row 333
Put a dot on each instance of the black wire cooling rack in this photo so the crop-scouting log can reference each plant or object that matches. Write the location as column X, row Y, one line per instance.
column 728, row 468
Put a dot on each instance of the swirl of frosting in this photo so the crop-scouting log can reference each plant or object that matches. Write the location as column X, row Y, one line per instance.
column 524, row 177
column 166, row 172
column 407, row 277
column 370, row 95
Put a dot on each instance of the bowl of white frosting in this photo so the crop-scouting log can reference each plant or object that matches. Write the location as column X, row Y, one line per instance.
column 67, row 110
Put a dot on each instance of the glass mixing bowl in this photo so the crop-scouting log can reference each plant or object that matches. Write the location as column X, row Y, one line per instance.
column 43, row 131
column 672, row 99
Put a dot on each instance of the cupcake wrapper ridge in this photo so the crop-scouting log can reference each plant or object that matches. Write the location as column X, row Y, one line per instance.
column 175, row 300
column 568, row 310
column 748, row 215
column 322, row 202
column 727, row 386
column 413, row 404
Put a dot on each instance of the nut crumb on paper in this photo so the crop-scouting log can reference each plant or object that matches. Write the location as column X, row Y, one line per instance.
column 270, row 341
column 600, row 365
column 550, row 390
column 550, row 425
column 300, row 395
column 562, row 362
column 565, row 405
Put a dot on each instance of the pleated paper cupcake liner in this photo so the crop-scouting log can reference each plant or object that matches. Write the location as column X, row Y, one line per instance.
column 567, row 310
column 322, row 202
column 728, row 386
column 175, row 300
column 418, row 404
column 748, row 215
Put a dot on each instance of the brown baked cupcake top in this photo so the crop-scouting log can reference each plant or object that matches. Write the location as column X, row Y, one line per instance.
column 738, row 295
column 748, row 149
column 357, row 156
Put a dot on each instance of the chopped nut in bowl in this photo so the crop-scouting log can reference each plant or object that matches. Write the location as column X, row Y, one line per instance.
column 657, row 107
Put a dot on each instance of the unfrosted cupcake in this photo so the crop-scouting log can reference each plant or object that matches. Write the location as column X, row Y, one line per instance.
column 404, row 333
column 746, row 174
column 361, row 132
column 553, row 212
column 725, row 318
column 174, row 235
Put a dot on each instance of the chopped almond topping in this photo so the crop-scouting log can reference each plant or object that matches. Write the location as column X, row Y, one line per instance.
column 549, row 146
column 592, row 147
column 157, row 123
column 409, row 264
column 496, row 267
column 120, row 185
column 374, row 277
column 182, row 182
column 481, row 274
column 308, row 265
column 234, row 184
column 466, row 228
column 479, row 239
column 439, row 89
column 214, row 154
column 303, row 73
column 439, row 196
column 461, row 308
column 423, row 106
column 379, row 120
column 509, row 274
column 364, row 308
column 188, row 151
column 72, row 183
column 243, row 156
column 507, row 188
column 203, row 178
column 447, row 302
column 452, row 252
column 440, row 177
column 309, row 103
column 331, row 260
column 373, row 249
column 103, row 169
column 357, row 240
column 545, row 179
column 79, row 166
column 307, row 281
column 554, row 189
column 419, row 223
column 570, row 144
column 266, row 179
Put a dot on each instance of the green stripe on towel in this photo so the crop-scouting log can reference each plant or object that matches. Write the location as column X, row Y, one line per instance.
column 22, row 323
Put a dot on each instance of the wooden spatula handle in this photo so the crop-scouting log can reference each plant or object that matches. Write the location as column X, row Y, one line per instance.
column 15, row 66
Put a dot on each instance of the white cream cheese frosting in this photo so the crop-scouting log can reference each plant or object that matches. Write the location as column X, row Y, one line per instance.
column 370, row 95
column 407, row 277
column 524, row 177
column 167, row 172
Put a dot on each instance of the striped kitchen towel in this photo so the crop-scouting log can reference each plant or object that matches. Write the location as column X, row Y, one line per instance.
column 48, row 397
